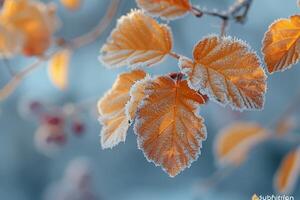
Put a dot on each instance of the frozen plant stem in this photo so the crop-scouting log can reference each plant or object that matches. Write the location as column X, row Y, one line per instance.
column 232, row 13
column 73, row 45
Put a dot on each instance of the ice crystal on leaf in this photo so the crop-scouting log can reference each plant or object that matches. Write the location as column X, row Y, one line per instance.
column 281, row 44
column 167, row 9
column 137, row 40
column 112, row 110
column 168, row 127
column 227, row 71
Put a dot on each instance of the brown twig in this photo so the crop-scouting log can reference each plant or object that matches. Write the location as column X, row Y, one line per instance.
column 232, row 13
column 73, row 44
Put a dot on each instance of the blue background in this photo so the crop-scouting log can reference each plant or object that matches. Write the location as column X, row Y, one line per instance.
column 124, row 173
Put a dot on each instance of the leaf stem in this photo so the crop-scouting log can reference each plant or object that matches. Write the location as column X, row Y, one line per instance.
column 174, row 55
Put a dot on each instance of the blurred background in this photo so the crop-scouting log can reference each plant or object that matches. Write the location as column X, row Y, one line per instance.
column 29, row 173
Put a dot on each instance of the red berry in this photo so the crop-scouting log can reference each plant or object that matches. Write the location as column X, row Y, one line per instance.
column 53, row 120
column 78, row 127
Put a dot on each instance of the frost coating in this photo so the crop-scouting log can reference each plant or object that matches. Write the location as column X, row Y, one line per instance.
column 168, row 127
column 137, row 94
column 137, row 40
column 166, row 9
column 112, row 109
column 281, row 46
column 228, row 72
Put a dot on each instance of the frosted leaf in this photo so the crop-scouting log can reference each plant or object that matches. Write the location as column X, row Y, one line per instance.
column 227, row 71
column 137, row 94
column 137, row 40
column 166, row 9
column 281, row 44
column 169, row 130
column 111, row 109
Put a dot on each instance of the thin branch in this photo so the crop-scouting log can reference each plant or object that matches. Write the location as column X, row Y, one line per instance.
column 232, row 13
column 73, row 44
column 99, row 29
column 18, row 77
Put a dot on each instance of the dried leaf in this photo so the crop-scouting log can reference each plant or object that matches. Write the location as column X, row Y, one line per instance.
column 168, row 127
column 137, row 94
column 59, row 67
column 35, row 20
column 111, row 108
column 167, row 9
column 288, row 172
column 71, row 4
column 281, row 44
column 227, row 71
column 234, row 142
column 137, row 40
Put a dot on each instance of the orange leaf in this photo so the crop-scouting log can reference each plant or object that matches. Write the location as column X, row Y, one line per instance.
column 58, row 68
column 71, row 4
column 168, row 127
column 137, row 94
column 227, row 71
column 35, row 20
column 281, row 44
column 111, row 108
column 234, row 142
column 167, row 9
column 137, row 40
column 288, row 172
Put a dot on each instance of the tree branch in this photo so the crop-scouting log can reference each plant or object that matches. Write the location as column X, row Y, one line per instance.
column 232, row 13
column 73, row 44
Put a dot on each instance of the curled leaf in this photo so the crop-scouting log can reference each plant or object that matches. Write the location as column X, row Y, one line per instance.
column 137, row 40
column 288, row 172
column 71, row 4
column 169, row 130
column 111, row 109
column 167, row 9
column 281, row 44
column 234, row 142
column 58, row 68
column 227, row 71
